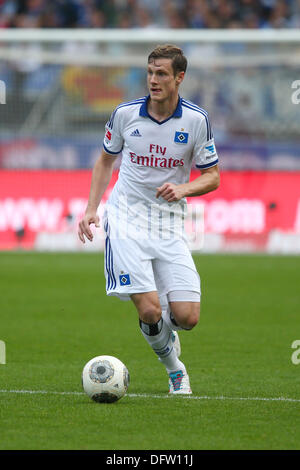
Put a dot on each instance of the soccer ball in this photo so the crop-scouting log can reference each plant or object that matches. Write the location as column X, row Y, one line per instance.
column 105, row 379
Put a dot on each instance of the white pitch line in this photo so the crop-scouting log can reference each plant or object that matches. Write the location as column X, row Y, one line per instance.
column 145, row 395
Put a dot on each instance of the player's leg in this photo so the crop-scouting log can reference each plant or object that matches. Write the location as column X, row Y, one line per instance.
column 179, row 283
column 165, row 308
column 183, row 314
column 155, row 330
column 180, row 311
column 184, row 309
column 129, row 275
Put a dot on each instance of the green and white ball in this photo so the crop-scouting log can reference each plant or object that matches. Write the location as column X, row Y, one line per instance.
column 105, row 379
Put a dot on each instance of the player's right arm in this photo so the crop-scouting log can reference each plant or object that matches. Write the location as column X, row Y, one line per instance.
column 101, row 176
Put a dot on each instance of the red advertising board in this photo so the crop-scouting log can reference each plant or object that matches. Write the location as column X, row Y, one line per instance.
column 53, row 201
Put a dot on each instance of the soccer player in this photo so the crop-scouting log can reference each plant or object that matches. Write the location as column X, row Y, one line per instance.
column 146, row 255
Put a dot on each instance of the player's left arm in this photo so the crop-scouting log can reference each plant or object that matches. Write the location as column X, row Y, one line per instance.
column 208, row 181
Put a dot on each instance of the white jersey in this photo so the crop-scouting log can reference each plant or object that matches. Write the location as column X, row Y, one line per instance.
column 154, row 153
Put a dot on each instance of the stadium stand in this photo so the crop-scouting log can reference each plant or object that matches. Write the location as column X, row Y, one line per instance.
column 150, row 14
column 60, row 92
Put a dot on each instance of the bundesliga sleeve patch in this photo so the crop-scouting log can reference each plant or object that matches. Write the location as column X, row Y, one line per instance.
column 181, row 137
column 124, row 280
column 210, row 152
column 210, row 149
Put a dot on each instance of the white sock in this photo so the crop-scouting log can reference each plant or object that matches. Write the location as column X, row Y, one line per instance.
column 159, row 337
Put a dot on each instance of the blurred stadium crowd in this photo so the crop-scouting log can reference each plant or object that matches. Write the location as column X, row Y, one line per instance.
column 59, row 95
column 150, row 13
column 54, row 99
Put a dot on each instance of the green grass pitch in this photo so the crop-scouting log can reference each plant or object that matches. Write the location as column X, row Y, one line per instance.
column 55, row 316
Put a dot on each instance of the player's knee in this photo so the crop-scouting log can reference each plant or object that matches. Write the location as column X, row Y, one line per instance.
column 191, row 321
column 187, row 316
column 150, row 313
column 195, row 315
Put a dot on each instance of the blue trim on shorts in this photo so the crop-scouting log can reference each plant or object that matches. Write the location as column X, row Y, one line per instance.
column 106, row 264
column 111, row 280
column 112, row 266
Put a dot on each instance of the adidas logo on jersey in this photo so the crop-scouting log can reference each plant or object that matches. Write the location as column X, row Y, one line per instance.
column 136, row 133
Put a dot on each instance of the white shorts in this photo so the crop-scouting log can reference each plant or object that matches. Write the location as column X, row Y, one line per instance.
column 136, row 266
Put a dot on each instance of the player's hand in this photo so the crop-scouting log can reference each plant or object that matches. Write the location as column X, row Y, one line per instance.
column 84, row 226
column 170, row 192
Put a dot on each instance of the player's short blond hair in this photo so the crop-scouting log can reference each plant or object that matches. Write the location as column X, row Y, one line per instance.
column 169, row 51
